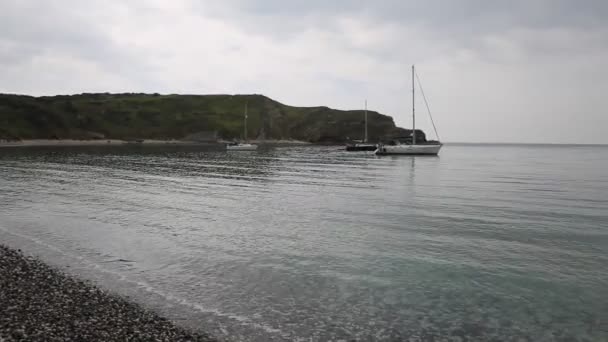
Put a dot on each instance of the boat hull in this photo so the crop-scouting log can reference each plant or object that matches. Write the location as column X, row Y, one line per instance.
column 242, row 147
column 409, row 150
column 361, row 147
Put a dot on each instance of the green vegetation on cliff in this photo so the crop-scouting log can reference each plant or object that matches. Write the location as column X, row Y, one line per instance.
column 154, row 116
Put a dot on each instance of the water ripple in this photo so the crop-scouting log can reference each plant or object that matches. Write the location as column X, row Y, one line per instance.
column 313, row 243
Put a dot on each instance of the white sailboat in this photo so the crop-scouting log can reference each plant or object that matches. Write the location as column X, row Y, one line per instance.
column 427, row 148
column 243, row 146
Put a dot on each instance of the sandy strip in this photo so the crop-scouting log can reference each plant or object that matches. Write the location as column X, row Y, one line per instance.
column 280, row 142
column 40, row 303
column 105, row 142
column 67, row 142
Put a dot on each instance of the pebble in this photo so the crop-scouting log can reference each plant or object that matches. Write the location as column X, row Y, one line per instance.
column 40, row 303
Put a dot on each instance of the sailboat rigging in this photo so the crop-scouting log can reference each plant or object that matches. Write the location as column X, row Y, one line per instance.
column 413, row 148
column 243, row 146
column 364, row 145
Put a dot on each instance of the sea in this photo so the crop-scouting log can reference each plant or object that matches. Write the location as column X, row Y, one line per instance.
column 486, row 242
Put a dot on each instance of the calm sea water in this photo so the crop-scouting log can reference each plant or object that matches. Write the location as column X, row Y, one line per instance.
column 485, row 242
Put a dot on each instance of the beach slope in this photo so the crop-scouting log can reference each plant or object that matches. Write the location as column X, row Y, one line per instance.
column 39, row 303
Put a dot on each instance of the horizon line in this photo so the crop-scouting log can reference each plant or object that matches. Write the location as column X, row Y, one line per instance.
column 521, row 143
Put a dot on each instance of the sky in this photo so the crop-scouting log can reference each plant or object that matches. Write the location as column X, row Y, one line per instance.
column 532, row 71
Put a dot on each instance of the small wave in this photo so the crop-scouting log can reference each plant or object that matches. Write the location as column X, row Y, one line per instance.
column 147, row 287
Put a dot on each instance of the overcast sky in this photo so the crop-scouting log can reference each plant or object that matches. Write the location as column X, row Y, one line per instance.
column 493, row 71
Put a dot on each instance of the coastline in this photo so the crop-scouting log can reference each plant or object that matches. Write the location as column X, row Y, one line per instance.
column 99, row 142
column 115, row 142
column 40, row 303
column 286, row 142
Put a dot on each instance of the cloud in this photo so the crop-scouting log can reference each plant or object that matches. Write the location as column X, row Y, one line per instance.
column 531, row 71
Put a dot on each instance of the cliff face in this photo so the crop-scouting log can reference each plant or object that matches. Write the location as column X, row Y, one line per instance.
column 153, row 116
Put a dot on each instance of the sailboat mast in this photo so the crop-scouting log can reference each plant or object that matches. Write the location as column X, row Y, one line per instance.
column 245, row 120
column 413, row 109
column 365, row 139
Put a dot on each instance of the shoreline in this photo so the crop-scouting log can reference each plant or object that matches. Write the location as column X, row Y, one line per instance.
column 117, row 142
column 41, row 303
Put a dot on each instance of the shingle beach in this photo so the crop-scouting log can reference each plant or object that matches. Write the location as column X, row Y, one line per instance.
column 40, row 303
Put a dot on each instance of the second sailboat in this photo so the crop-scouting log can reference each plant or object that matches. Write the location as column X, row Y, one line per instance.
column 243, row 146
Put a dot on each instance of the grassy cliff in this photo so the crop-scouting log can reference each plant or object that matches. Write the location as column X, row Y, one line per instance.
column 154, row 116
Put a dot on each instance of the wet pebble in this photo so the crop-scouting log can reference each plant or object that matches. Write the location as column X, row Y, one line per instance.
column 40, row 303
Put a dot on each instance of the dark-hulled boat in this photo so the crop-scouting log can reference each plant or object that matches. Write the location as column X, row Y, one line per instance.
column 361, row 147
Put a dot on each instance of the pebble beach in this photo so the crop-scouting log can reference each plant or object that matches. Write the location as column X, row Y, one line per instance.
column 40, row 303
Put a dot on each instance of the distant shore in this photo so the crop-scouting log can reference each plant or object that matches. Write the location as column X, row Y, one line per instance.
column 40, row 303
column 280, row 142
column 104, row 142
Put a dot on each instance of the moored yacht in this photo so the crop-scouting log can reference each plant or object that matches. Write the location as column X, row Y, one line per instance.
column 242, row 146
column 362, row 145
column 412, row 147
